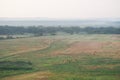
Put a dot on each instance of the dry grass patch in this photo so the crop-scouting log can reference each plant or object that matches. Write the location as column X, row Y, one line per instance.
column 31, row 76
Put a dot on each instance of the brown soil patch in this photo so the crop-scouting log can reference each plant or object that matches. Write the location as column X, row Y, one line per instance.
column 85, row 47
column 93, row 47
column 89, row 47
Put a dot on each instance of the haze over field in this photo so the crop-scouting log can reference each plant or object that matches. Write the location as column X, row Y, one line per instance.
column 60, row 9
column 60, row 12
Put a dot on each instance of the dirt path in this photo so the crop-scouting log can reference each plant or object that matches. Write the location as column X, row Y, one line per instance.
column 24, row 51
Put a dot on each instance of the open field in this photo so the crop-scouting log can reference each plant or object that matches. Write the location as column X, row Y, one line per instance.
column 73, row 57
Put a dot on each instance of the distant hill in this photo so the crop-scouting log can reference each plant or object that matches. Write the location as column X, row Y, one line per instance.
column 115, row 22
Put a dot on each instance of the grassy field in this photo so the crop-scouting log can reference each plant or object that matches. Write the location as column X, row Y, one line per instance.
column 73, row 57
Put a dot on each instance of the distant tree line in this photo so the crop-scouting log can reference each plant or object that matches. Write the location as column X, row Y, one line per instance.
column 41, row 30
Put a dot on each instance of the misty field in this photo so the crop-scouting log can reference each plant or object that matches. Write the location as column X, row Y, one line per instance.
column 68, row 57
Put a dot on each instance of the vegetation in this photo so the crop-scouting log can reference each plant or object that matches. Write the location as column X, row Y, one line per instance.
column 73, row 57
column 41, row 30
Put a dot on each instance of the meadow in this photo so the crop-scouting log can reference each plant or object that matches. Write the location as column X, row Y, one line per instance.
column 61, row 57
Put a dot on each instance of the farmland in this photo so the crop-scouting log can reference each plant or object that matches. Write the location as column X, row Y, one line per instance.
column 56, row 57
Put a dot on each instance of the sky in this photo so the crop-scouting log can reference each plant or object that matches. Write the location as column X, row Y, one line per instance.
column 60, row 9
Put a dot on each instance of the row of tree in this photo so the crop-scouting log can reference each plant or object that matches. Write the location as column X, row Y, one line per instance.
column 41, row 30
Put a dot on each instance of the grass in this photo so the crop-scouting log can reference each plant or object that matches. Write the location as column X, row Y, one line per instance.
column 53, row 63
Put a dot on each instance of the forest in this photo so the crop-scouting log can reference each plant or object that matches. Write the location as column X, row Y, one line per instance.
column 53, row 30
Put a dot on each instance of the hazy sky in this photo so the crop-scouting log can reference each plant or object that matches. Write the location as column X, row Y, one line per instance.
column 62, row 9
